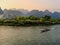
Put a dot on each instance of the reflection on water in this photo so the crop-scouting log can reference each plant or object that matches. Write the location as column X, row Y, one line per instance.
column 29, row 35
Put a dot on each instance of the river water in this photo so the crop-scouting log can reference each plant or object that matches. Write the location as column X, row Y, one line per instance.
column 29, row 35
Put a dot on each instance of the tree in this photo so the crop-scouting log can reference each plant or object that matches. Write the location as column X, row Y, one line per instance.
column 25, row 18
column 46, row 17
column 32, row 18
column 18, row 18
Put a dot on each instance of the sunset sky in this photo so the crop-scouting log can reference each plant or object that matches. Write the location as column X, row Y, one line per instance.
column 52, row 5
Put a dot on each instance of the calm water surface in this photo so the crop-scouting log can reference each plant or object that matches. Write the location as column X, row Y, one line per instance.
column 29, row 35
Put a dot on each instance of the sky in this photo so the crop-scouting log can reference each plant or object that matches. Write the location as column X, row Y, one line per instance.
column 52, row 5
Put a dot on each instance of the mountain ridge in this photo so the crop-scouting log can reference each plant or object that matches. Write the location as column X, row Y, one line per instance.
column 22, row 12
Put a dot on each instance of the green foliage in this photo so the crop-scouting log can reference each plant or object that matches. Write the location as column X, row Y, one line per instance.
column 18, row 18
column 31, row 20
column 25, row 18
column 46, row 17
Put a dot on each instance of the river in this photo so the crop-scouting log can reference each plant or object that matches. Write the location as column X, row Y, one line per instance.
column 29, row 35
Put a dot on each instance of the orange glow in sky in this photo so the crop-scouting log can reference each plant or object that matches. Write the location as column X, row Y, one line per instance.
column 30, row 4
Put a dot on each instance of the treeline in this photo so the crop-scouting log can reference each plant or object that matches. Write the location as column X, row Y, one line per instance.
column 29, row 21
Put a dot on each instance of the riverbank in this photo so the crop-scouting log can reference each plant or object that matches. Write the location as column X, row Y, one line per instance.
column 29, row 21
column 28, row 24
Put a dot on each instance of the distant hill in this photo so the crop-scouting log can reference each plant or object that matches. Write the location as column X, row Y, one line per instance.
column 22, row 12
column 1, row 11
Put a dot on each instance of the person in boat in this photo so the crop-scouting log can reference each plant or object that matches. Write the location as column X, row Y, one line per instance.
column 45, row 30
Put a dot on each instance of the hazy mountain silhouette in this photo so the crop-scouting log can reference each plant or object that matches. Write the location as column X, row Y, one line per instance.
column 56, row 15
column 36, row 13
column 22, row 12
column 11, row 13
column 1, row 11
